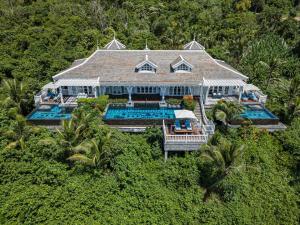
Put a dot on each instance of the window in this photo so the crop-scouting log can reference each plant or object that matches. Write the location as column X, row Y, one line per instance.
column 146, row 68
column 183, row 68
column 226, row 90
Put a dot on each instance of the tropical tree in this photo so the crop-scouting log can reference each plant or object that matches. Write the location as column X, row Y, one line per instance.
column 264, row 59
column 16, row 95
column 17, row 134
column 224, row 160
column 226, row 111
column 92, row 153
column 72, row 132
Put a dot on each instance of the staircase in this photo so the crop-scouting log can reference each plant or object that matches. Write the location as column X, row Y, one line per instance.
column 208, row 125
column 197, row 112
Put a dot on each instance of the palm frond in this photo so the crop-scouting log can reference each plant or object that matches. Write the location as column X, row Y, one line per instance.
column 82, row 159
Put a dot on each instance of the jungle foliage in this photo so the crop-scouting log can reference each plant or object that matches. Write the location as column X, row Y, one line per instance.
column 88, row 173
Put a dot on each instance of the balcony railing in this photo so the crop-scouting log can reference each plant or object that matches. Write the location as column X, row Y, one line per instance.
column 184, row 138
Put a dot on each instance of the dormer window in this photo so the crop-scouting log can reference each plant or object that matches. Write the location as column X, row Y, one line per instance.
column 146, row 66
column 183, row 67
column 180, row 65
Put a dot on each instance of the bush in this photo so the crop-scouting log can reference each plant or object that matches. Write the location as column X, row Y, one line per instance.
column 174, row 101
column 99, row 103
column 189, row 103
column 118, row 100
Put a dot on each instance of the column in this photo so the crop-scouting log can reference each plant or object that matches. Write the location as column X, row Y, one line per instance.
column 96, row 92
column 190, row 89
column 241, row 90
column 201, row 92
column 129, row 90
column 166, row 155
column 163, row 92
column 206, row 94
column 61, row 95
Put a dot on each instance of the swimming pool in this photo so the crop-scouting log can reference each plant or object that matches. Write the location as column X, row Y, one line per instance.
column 139, row 114
column 257, row 112
column 50, row 113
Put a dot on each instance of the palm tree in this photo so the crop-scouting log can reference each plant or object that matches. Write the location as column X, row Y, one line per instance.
column 224, row 159
column 92, row 153
column 292, row 102
column 17, row 134
column 72, row 133
column 226, row 111
column 16, row 93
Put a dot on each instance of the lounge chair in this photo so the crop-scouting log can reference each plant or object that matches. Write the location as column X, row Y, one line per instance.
column 188, row 125
column 177, row 125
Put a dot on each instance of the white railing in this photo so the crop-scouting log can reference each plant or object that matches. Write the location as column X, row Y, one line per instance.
column 261, row 97
column 186, row 138
column 208, row 125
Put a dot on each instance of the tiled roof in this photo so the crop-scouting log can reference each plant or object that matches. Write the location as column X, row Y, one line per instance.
column 193, row 45
column 114, row 45
column 118, row 66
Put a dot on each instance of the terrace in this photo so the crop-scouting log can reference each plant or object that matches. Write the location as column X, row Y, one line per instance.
column 186, row 133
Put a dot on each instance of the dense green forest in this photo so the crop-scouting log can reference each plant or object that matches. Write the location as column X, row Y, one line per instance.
column 88, row 173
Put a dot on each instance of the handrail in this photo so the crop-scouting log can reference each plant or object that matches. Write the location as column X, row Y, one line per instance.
column 209, row 126
column 186, row 138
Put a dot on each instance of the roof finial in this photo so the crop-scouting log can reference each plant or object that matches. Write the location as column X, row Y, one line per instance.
column 194, row 38
column 114, row 35
column 146, row 47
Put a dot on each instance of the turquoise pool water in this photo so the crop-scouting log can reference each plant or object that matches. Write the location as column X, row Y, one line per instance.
column 53, row 113
column 257, row 112
column 139, row 113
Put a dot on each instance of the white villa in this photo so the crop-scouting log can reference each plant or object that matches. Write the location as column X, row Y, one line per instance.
column 149, row 74
column 154, row 75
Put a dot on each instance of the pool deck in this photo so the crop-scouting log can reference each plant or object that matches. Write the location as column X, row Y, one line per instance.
column 271, row 128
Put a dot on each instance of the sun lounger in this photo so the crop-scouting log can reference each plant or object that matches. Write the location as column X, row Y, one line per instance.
column 177, row 125
column 188, row 125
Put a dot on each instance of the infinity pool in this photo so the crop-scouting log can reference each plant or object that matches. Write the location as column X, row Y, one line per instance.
column 257, row 112
column 50, row 113
column 139, row 113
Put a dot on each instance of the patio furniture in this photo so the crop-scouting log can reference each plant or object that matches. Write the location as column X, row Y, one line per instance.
column 177, row 125
column 188, row 125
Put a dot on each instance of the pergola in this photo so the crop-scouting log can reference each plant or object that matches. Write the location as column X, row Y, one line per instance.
column 223, row 83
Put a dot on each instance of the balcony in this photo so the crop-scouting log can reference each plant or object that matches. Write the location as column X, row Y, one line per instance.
column 183, row 140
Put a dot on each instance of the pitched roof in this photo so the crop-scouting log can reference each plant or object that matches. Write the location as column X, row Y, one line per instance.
column 118, row 66
column 146, row 61
column 114, row 45
column 178, row 61
column 193, row 45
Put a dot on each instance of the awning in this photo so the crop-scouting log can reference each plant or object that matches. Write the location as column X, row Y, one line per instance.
column 223, row 83
column 50, row 85
column 184, row 114
column 77, row 82
column 251, row 87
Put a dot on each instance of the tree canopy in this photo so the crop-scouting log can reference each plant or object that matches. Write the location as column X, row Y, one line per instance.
column 89, row 173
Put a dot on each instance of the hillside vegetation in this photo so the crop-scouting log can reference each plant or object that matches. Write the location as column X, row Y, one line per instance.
column 88, row 173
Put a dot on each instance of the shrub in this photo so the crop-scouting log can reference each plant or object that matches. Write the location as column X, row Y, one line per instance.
column 189, row 103
column 118, row 100
column 174, row 101
column 99, row 103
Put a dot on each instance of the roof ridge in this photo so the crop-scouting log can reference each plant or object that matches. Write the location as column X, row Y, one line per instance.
column 215, row 61
column 85, row 61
